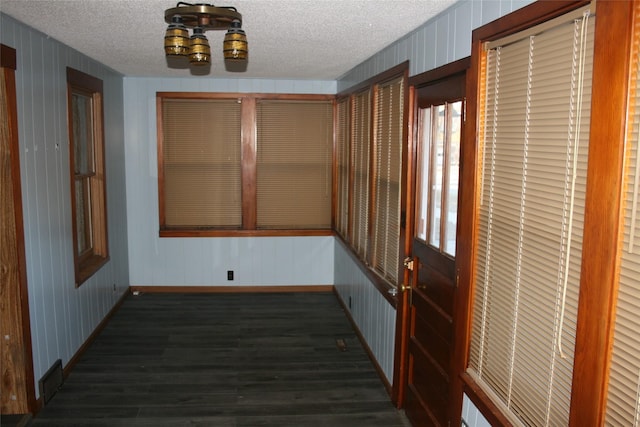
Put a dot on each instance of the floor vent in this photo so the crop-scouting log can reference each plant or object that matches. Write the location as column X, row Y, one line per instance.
column 51, row 381
column 341, row 344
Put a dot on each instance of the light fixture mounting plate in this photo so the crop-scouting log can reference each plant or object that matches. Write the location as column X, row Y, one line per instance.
column 203, row 15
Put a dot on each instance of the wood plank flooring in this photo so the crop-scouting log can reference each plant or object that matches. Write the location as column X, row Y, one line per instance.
column 224, row 360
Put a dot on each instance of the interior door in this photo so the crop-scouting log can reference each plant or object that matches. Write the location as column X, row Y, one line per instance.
column 18, row 391
column 439, row 119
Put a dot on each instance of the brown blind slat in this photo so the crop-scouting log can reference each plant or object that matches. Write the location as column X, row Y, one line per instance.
column 388, row 169
column 201, row 159
column 360, row 151
column 342, row 166
column 293, row 166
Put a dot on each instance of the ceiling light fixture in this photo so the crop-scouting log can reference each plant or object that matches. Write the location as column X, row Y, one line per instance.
column 203, row 17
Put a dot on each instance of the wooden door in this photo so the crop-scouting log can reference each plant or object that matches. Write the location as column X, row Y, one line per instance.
column 18, row 391
column 429, row 398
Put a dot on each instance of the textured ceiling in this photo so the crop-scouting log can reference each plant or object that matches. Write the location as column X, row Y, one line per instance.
column 288, row 39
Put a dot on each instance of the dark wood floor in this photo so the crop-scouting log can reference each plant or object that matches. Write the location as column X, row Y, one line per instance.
column 224, row 360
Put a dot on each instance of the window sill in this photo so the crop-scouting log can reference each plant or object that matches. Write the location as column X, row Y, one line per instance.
column 382, row 285
column 241, row 233
column 89, row 267
column 483, row 402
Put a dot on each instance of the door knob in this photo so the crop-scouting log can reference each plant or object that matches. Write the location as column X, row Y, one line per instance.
column 399, row 288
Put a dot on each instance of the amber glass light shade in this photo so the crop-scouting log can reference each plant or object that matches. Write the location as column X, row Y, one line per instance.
column 176, row 39
column 199, row 50
column 235, row 46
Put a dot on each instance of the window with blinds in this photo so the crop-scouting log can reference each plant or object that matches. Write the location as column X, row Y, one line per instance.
column 230, row 163
column 342, row 166
column 201, row 163
column 293, row 166
column 623, row 402
column 360, row 152
column 535, row 113
column 389, row 109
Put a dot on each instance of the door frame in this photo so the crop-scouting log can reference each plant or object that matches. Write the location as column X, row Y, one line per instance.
column 401, row 357
column 14, row 317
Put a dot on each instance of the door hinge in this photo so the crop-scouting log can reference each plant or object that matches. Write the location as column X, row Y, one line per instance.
column 408, row 263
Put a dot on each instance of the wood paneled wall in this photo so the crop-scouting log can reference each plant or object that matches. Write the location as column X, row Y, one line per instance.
column 441, row 40
column 372, row 313
column 62, row 317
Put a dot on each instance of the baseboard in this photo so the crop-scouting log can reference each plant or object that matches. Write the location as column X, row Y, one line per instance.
column 228, row 289
column 372, row 357
column 78, row 354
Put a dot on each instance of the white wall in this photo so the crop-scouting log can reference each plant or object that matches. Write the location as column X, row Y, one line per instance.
column 62, row 317
column 204, row 261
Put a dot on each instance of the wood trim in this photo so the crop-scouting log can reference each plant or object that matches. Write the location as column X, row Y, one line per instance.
column 7, row 57
column 378, row 78
column 365, row 345
column 603, row 212
column 160, row 144
column 404, row 245
column 373, row 170
column 83, row 80
column 402, row 309
column 240, row 95
column 334, row 167
column 445, row 72
column 483, row 402
column 380, row 284
column 466, row 248
column 528, row 16
column 14, row 273
column 232, row 289
column 249, row 144
column 404, row 173
column 244, row 233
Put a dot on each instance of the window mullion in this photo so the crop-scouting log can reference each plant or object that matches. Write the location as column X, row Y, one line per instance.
column 248, row 152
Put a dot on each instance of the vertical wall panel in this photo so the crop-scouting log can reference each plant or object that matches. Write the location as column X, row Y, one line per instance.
column 62, row 317
column 441, row 40
column 461, row 30
column 373, row 315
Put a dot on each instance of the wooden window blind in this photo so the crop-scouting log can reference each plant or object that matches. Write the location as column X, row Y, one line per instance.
column 389, row 109
column 623, row 402
column 201, row 163
column 360, row 151
column 342, row 166
column 293, row 164
column 534, row 143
